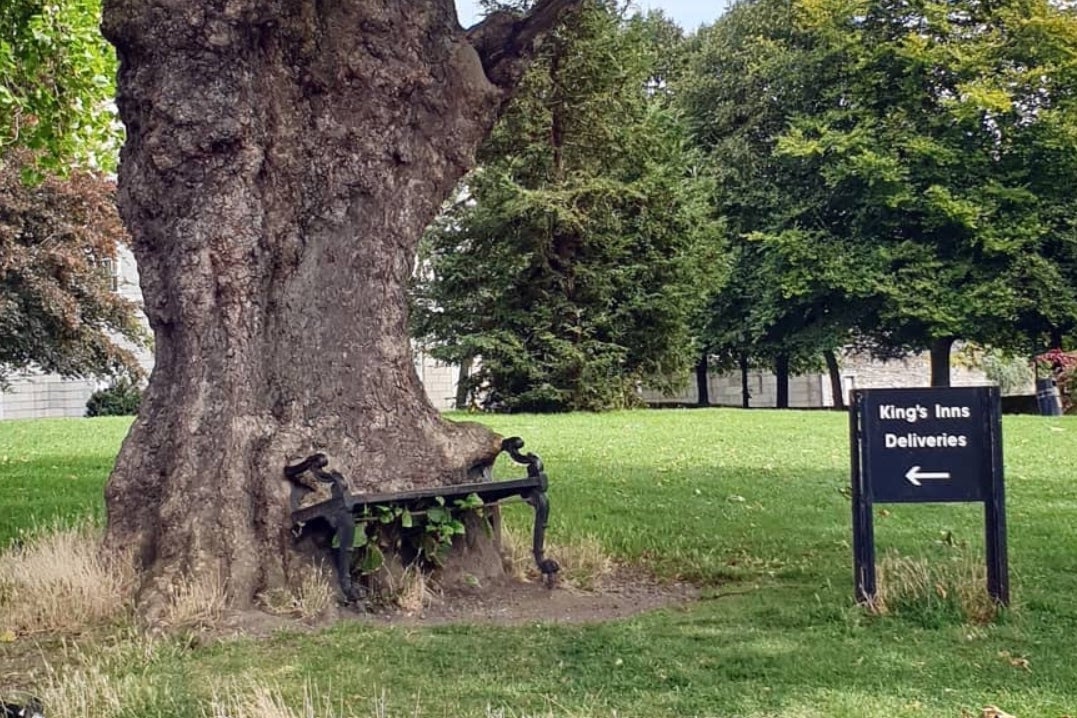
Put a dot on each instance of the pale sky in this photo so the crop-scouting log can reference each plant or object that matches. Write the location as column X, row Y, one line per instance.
column 689, row 14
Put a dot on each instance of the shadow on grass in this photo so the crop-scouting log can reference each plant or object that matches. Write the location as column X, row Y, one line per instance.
column 712, row 524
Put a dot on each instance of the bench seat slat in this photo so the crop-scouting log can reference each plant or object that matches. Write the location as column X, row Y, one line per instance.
column 488, row 491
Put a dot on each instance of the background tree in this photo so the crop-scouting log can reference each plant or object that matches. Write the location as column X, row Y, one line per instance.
column 890, row 179
column 793, row 293
column 58, row 312
column 281, row 163
column 577, row 253
column 919, row 145
column 57, row 81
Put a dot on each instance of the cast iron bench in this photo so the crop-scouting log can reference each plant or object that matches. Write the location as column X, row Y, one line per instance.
column 343, row 510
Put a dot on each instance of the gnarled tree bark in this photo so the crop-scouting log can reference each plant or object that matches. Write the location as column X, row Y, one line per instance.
column 282, row 160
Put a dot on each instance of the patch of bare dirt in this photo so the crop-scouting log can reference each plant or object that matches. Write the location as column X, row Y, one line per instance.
column 621, row 594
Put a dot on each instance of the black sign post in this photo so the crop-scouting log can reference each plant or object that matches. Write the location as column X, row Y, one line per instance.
column 927, row 445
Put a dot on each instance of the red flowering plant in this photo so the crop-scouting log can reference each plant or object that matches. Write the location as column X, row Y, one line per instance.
column 1062, row 367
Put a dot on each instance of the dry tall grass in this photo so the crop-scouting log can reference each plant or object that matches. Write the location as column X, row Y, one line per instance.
column 584, row 562
column 102, row 684
column 59, row 581
column 195, row 604
column 87, row 693
column 312, row 599
column 262, row 701
column 415, row 591
column 95, row 679
column 904, row 582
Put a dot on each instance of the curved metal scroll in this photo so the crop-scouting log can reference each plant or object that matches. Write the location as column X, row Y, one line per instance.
column 538, row 500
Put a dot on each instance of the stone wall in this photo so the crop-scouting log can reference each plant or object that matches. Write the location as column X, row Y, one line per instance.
column 439, row 380
column 813, row 390
column 806, row 391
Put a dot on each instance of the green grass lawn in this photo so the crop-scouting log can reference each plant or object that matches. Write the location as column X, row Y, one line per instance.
column 749, row 505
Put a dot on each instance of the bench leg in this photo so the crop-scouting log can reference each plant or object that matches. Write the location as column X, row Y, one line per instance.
column 344, row 530
column 547, row 566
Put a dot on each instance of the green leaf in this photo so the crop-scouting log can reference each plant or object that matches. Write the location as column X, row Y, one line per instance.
column 469, row 502
column 438, row 515
column 372, row 560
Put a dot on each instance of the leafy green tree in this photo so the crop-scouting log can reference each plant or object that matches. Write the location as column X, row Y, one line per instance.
column 894, row 155
column 579, row 250
column 57, row 81
column 787, row 299
column 926, row 150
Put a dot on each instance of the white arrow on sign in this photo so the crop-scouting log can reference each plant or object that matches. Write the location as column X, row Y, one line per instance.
column 914, row 475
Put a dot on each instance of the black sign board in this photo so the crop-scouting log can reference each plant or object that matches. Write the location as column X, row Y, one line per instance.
column 927, row 445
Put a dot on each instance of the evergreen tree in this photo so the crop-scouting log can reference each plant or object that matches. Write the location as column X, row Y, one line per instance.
column 577, row 253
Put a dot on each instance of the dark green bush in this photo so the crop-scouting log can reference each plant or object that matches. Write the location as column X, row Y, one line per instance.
column 120, row 399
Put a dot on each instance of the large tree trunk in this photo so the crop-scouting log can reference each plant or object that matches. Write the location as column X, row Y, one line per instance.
column 940, row 361
column 834, row 371
column 282, row 159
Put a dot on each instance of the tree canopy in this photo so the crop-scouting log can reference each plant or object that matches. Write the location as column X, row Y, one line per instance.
column 59, row 228
column 892, row 165
column 57, row 82
column 575, row 256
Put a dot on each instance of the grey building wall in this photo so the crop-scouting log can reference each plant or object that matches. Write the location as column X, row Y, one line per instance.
column 813, row 390
column 806, row 391
column 439, row 380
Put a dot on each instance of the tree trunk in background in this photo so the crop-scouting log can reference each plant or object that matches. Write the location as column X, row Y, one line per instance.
column 282, row 160
column 745, row 394
column 836, row 388
column 463, row 391
column 781, row 371
column 702, row 381
column 940, row 361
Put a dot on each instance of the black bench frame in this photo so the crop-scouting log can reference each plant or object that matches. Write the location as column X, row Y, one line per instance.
column 343, row 510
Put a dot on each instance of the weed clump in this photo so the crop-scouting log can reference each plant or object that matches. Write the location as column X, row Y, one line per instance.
column 311, row 599
column 934, row 592
column 584, row 561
